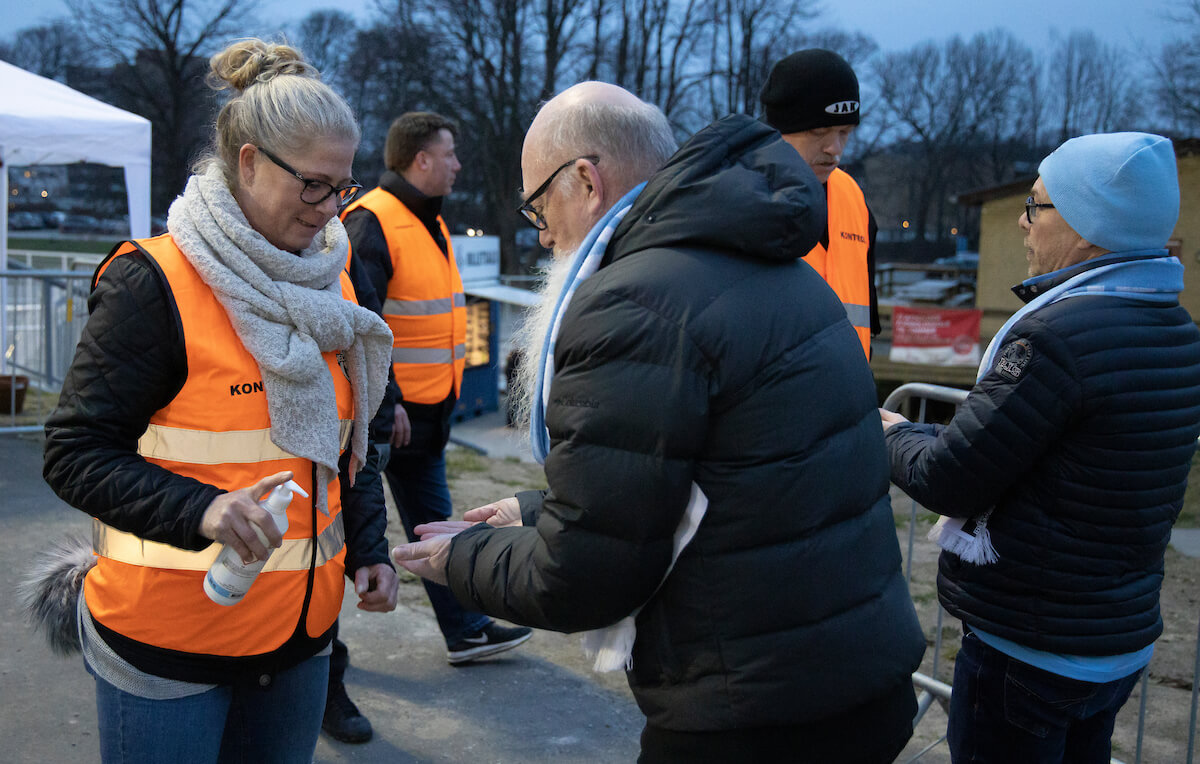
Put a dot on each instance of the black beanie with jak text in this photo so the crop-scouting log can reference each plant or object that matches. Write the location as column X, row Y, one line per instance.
column 809, row 89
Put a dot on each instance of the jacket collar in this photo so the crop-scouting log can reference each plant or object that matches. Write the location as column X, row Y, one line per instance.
column 1030, row 288
column 426, row 208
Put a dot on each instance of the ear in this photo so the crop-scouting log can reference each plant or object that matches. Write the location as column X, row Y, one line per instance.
column 421, row 160
column 246, row 164
column 592, row 184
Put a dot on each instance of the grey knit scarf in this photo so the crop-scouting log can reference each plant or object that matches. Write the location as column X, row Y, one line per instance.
column 288, row 309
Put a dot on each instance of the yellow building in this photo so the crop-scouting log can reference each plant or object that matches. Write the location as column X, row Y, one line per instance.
column 1002, row 265
column 1002, row 261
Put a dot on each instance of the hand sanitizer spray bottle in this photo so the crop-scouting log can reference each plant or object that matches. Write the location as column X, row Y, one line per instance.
column 228, row 580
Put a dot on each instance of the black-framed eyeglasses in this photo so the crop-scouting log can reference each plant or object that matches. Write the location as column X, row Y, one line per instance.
column 1031, row 208
column 526, row 209
column 317, row 191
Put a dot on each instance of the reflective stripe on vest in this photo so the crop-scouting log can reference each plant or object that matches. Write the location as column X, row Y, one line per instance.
column 230, row 447
column 844, row 265
column 293, row 554
column 428, row 355
column 425, row 306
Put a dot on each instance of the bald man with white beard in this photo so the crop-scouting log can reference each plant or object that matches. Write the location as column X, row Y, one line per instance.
column 714, row 460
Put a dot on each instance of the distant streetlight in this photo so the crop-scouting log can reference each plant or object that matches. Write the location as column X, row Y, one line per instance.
column 904, row 224
column 954, row 231
column 45, row 193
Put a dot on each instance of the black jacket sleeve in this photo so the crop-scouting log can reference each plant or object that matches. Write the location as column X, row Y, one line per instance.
column 598, row 540
column 370, row 272
column 365, row 277
column 129, row 363
column 364, row 513
column 1005, row 425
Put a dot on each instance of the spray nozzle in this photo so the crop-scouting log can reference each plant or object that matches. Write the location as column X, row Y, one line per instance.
column 281, row 496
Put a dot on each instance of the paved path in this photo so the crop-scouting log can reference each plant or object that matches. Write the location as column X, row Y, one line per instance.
column 523, row 707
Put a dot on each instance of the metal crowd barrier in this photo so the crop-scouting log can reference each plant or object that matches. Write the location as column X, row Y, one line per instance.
column 931, row 688
column 44, row 314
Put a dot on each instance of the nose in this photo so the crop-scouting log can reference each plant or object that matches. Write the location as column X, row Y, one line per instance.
column 1023, row 220
column 457, row 164
column 835, row 145
column 329, row 206
column 545, row 239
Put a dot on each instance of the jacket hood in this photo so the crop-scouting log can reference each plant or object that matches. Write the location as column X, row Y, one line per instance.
column 736, row 186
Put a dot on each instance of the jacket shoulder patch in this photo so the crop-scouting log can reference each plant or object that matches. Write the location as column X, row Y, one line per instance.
column 1013, row 359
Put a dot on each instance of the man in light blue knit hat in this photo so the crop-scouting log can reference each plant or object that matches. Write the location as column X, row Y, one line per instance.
column 1060, row 477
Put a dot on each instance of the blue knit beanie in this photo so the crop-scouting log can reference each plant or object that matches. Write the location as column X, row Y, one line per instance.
column 1119, row 191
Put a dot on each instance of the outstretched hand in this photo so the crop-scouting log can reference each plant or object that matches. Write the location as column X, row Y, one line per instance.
column 426, row 558
column 504, row 513
column 890, row 418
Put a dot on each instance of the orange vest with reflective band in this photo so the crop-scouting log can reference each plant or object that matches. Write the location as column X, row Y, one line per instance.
column 844, row 264
column 425, row 306
column 217, row 430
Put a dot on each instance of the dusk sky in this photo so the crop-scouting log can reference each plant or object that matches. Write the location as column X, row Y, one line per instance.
column 894, row 24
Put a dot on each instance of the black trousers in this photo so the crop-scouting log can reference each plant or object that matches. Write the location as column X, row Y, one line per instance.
column 872, row 733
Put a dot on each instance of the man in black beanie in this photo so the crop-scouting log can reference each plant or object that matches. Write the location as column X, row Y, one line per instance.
column 811, row 97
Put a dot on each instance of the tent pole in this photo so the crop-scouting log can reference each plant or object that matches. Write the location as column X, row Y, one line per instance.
column 4, row 344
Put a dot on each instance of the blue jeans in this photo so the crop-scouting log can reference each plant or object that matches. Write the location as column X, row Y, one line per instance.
column 231, row 724
column 1003, row 710
column 418, row 485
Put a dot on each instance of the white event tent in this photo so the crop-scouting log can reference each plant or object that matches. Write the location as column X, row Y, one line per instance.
column 45, row 122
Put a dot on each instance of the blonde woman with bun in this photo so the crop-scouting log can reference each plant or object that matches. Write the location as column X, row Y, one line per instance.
column 219, row 361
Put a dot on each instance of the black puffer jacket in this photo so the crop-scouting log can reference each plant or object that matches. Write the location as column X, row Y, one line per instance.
column 130, row 363
column 704, row 350
column 1085, row 456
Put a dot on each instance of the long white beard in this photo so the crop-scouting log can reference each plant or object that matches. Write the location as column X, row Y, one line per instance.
column 531, row 335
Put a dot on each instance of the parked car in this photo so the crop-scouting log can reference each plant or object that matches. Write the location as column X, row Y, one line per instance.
column 80, row 224
column 961, row 260
column 24, row 221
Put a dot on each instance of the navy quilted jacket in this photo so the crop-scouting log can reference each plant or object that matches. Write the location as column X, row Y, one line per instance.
column 704, row 350
column 1085, row 457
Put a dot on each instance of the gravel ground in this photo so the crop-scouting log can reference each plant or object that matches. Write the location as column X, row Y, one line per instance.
column 476, row 480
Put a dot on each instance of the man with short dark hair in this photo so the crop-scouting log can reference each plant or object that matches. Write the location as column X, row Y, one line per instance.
column 811, row 98
column 1060, row 476
column 402, row 265
column 717, row 518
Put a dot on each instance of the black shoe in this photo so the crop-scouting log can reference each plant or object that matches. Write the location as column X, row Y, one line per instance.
column 490, row 640
column 342, row 720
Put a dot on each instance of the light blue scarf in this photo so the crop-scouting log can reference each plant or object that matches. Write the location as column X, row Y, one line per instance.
column 584, row 263
column 1158, row 279
column 610, row 648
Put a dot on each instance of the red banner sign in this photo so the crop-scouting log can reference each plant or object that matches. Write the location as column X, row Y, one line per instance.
column 935, row 336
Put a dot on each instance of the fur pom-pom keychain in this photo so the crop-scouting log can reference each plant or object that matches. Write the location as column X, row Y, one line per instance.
column 50, row 593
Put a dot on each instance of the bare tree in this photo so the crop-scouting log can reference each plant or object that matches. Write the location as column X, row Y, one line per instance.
column 48, row 50
column 492, row 76
column 942, row 99
column 327, row 38
column 747, row 37
column 1178, row 70
column 161, row 47
column 1090, row 86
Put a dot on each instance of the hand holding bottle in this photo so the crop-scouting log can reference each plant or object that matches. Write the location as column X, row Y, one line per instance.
column 232, row 517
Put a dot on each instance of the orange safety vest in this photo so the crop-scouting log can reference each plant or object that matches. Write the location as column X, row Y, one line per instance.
column 844, row 264
column 217, row 430
column 425, row 306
